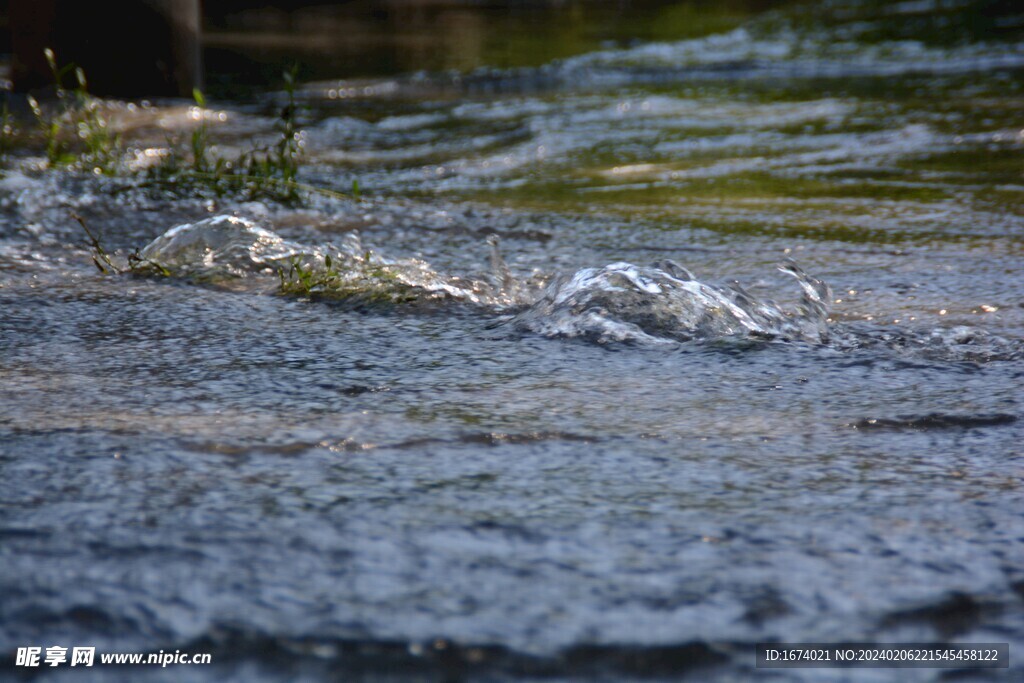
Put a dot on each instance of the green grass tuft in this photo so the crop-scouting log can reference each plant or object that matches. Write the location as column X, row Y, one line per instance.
column 75, row 133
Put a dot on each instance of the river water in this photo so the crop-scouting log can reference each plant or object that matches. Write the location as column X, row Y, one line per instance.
column 617, row 442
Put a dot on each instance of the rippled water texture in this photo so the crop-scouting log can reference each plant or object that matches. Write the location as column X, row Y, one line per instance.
column 619, row 365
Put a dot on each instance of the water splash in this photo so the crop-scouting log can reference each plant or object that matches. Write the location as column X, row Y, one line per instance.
column 618, row 302
column 220, row 246
column 227, row 247
column 664, row 303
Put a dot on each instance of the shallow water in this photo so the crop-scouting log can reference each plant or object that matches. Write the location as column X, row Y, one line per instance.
column 588, row 455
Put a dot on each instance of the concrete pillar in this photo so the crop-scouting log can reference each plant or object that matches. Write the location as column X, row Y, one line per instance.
column 127, row 48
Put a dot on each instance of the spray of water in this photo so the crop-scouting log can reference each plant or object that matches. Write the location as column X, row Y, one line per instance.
column 620, row 302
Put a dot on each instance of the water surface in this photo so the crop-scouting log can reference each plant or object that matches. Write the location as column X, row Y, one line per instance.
column 583, row 463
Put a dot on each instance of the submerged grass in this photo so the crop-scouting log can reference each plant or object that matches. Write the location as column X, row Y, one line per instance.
column 361, row 280
column 104, row 261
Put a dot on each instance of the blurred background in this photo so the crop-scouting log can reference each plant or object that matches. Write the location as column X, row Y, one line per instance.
column 247, row 44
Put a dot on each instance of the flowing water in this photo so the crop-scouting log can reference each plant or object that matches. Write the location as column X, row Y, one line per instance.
column 619, row 365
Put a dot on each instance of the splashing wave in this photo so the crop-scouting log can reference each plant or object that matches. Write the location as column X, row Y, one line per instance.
column 620, row 302
column 664, row 302
column 231, row 247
